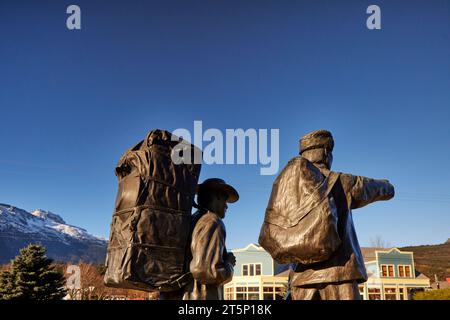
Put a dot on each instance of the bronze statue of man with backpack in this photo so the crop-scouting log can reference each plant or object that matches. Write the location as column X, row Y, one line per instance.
column 155, row 243
column 308, row 222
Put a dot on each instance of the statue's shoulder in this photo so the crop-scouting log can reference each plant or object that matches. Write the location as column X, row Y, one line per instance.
column 304, row 169
column 210, row 218
column 301, row 162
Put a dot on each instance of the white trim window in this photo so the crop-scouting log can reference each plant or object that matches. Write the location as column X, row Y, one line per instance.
column 229, row 293
column 247, row 293
column 374, row 293
column 272, row 292
column 390, row 293
column 251, row 269
column 401, row 294
column 387, row 271
column 404, row 271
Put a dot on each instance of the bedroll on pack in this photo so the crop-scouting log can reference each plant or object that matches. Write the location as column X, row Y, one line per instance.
column 151, row 222
column 300, row 224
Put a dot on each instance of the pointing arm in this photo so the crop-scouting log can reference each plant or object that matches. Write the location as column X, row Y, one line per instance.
column 361, row 191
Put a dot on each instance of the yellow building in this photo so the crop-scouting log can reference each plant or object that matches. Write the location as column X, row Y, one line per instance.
column 392, row 275
column 255, row 276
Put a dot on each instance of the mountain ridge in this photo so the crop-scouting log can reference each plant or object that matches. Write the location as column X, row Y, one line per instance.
column 432, row 259
column 64, row 242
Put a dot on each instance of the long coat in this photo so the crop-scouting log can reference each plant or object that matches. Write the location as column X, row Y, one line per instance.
column 209, row 266
column 346, row 264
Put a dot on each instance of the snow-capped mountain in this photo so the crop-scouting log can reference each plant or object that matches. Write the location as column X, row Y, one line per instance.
column 64, row 242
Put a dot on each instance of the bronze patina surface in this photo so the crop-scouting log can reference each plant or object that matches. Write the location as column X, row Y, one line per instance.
column 151, row 221
column 211, row 265
column 309, row 222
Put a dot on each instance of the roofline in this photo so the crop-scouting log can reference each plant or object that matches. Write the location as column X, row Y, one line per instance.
column 370, row 261
column 396, row 249
column 251, row 245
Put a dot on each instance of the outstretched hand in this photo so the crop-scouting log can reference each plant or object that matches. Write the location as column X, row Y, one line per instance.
column 231, row 258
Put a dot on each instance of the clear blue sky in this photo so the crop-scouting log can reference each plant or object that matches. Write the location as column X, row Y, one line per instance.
column 73, row 101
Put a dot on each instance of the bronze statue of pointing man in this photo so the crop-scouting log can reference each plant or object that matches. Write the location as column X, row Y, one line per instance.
column 309, row 222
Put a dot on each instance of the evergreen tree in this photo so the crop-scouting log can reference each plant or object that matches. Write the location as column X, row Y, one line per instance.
column 32, row 277
column 6, row 285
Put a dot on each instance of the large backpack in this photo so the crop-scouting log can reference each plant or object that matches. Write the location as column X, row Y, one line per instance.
column 301, row 220
column 151, row 222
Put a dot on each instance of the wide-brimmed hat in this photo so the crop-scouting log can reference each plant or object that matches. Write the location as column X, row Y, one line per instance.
column 219, row 184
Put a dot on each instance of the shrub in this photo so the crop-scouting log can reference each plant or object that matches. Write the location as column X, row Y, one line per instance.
column 441, row 294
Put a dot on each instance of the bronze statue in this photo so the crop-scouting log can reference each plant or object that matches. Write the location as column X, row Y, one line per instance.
column 152, row 216
column 309, row 222
column 211, row 265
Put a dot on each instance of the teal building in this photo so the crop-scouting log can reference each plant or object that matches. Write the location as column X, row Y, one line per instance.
column 391, row 275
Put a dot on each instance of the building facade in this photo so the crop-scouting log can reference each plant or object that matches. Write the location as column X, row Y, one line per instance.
column 256, row 276
column 391, row 275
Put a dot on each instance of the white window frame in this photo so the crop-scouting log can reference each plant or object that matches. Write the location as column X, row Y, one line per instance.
column 387, row 266
column 404, row 270
column 253, row 264
column 248, row 269
column 390, row 293
column 404, row 294
column 260, row 268
column 380, row 293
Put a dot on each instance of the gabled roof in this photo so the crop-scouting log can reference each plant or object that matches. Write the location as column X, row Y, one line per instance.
column 421, row 276
column 389, row 250
column 369, row 253
column 251, row 246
